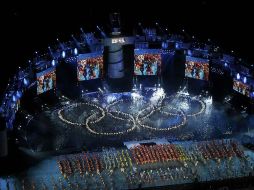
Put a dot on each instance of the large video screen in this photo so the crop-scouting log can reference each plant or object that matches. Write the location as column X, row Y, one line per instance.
column 197, row 68
column 90, row 66
column 147, row 61
column 46, row 80
column 242, row 88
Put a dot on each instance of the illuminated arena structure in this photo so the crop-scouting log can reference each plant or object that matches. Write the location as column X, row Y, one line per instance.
column 142, row 110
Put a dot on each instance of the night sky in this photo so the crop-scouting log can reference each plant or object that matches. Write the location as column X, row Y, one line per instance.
column 30, row 27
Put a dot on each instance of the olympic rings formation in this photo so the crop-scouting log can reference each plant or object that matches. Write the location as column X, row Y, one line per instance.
column 141, row 116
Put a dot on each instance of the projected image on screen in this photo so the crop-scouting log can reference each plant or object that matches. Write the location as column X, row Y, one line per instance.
column 241, row 87
column 90, row 66
column 197, row 68
column 46, row 80
column 147, row 62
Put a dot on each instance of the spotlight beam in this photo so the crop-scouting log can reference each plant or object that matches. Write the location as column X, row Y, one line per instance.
column 77, row 43
column 101, row 32
column 61, row 45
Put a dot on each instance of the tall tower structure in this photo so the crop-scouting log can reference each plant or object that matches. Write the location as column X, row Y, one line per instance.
column 115, row 49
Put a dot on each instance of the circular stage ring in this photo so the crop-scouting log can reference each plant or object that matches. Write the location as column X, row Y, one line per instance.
column 161, row 129
column 202, row 105
column 61, row 117
column 115, row 117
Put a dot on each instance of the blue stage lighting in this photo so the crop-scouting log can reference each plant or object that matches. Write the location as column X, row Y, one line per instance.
column 25, row 81
column 63, row 54
column 75, row 51
column 164, row 45
column 53, row 62
column 245, row 80
column 18, row 94
column 189, row 52
column 14, row 98
column 238, row 76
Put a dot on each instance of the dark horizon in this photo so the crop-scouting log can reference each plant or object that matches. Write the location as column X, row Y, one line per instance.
column 33, row 27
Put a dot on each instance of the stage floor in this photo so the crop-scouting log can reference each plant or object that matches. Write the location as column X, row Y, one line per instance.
column 107, row 120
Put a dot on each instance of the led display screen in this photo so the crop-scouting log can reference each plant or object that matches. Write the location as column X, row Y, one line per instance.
column 46, row 80
column 89, row 66
column 197, row 68
column 242, row 88
column 147, row 61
